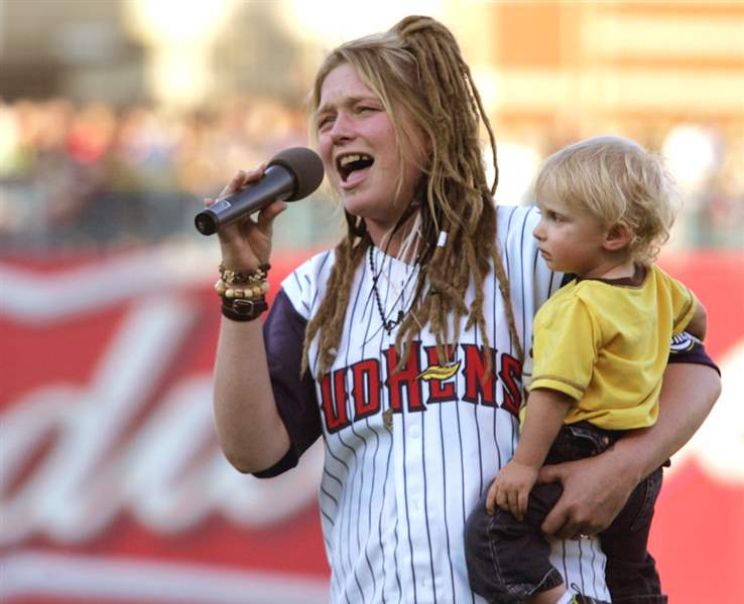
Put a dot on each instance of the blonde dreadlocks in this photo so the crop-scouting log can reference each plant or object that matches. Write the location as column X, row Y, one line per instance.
column 416, row 68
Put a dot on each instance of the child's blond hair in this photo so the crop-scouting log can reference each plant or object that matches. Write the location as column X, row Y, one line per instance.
column 615, row 180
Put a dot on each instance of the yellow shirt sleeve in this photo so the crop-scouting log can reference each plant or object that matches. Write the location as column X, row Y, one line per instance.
column 684, row 302
column 566, row 343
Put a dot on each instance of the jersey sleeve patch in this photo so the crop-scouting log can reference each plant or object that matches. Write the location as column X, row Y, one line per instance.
column 683, row 342
column 688, row 349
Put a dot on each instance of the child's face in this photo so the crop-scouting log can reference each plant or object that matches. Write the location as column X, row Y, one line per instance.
column 570, row 240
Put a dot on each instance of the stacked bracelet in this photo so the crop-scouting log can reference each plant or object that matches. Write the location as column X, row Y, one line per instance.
column 243, row 293
column 254, row 291
column 243, row 310
column 231, row 277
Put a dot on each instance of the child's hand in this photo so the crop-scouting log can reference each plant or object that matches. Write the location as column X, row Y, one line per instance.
column 511, row 489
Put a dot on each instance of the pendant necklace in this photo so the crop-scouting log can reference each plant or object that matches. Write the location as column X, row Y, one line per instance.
column 388, row 324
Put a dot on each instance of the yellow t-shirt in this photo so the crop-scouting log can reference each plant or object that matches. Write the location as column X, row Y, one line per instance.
column 606, row 343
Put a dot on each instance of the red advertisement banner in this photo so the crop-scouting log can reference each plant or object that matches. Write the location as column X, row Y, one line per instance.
column 113, row 488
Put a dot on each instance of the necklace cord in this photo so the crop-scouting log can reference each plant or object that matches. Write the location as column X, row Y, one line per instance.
column 388, row 324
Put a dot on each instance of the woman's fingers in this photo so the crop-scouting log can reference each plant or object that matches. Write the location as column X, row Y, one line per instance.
column 266, row 216
column 241, row 179
column 233, row 185
column 593, row 494
column 246, row 242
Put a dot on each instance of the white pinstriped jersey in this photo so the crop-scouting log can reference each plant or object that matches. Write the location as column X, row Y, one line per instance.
column 394, row 501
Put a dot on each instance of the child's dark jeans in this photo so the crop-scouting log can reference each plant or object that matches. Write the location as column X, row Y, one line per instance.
column 508, row 561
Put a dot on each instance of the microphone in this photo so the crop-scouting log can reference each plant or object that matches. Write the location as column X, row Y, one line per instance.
column 291, row 175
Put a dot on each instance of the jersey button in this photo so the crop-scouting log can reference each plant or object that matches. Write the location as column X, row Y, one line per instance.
column 415, row 431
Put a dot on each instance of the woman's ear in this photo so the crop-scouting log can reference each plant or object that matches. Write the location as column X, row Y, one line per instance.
column 617, row 237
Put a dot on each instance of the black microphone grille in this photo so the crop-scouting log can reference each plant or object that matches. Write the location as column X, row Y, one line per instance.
column 305, row 165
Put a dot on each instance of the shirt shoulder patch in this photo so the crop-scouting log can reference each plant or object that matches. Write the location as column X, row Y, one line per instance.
column 683, row 343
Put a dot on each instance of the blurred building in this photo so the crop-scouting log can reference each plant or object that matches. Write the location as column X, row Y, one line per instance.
column 72, row 48
column 670, row 74
column 630, row 62
column 537, row 61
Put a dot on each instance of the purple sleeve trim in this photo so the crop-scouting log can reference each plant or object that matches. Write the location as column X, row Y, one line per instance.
column 284, row 333
column 688, row 349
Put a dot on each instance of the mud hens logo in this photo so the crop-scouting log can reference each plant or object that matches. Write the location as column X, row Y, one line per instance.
column 417, row 385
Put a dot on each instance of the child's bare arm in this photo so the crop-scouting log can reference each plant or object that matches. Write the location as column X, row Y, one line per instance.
column 543, row 419
column 698, row 325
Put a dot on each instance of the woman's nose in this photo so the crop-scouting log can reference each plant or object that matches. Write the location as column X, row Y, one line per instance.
column 342, row 129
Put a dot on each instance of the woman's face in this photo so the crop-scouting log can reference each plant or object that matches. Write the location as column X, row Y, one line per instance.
column 357, row 143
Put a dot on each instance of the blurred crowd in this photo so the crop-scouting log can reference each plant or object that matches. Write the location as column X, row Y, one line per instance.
column 99, row 176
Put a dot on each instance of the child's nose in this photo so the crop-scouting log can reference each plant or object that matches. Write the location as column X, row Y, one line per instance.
column 538, row 232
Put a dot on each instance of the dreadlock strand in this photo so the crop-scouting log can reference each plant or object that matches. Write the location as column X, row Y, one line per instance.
column 457, row 197
column 328, row 320
column 503, row 282
column 474, row 272
column 486, row 122
column 463, row 168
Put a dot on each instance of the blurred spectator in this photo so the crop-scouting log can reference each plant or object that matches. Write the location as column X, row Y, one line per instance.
column 98, row 176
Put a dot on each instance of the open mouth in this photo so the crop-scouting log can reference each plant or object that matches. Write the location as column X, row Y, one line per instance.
column 347, row 164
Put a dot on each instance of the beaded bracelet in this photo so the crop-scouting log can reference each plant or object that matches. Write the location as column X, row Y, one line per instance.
column 231, row 277
column 254, row 291
column 243, row 303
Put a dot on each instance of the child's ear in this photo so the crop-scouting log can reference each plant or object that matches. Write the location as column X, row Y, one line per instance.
column 617, row 237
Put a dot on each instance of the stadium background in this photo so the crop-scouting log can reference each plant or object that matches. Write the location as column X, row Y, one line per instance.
column 117, row 118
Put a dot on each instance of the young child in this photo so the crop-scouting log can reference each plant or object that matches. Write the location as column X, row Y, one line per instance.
column 600, row 347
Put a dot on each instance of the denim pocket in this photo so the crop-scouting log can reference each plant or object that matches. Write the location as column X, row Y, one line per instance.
column 595, row 439
column 578, row 441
